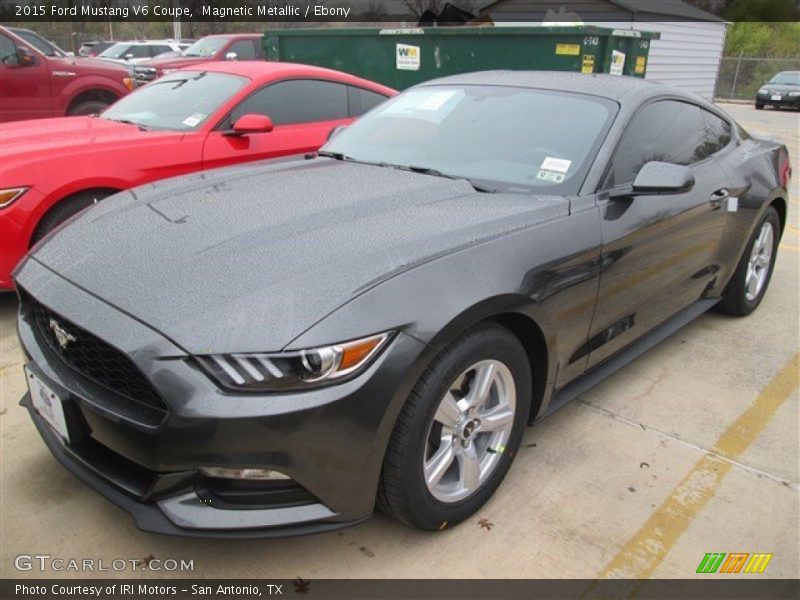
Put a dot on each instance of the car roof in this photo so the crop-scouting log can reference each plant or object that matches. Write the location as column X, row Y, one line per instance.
column 233, row 35
column 614, row 87
column 260, row 69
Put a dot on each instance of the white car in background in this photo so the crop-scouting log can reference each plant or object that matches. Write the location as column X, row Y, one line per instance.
column 140, row 51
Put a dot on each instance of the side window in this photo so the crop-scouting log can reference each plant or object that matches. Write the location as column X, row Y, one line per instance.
column 8, row 50
column 297, row 101
column 667, row 131
column 360, row 100
column 140, row 51
column 717, row 133
column 244, row 50
column 156, row 50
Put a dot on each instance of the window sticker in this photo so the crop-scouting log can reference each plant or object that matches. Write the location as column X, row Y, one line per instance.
column 560, row 165
column 550, row 176
column 437, row 99
column 193, row 120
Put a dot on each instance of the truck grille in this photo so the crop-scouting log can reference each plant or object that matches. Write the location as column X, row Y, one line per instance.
column 142, row 75
column 92, row 357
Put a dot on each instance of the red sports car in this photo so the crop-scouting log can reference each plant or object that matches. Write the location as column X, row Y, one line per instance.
column 205, row 116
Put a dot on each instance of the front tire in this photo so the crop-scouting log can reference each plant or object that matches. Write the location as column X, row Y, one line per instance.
column 749, row 283
column 759, row 106
column 90, row 107
column 459, row 431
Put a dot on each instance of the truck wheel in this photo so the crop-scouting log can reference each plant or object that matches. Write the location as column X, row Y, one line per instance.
column 90, row 107
column 459, row 430
column 62, row 211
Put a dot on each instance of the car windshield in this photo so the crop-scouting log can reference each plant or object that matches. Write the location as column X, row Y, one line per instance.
column 180, row 101
column 788, row 78
column 115, row 51
column 205, row 47
column 41, row 44
column 497, row 137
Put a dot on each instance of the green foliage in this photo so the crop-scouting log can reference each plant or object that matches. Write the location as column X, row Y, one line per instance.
column 763, row 11
column 763, row 39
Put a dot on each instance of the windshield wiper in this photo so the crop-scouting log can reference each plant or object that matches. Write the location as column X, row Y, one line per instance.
column 436, row 173
column 129, row 122
column 336, row 155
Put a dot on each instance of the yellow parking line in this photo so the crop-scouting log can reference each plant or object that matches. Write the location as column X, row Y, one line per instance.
column 789, row 247
column 793, row 229
column 650, row 545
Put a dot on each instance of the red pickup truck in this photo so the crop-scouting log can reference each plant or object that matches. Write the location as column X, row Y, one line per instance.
column 38, row 80
column 232, row 46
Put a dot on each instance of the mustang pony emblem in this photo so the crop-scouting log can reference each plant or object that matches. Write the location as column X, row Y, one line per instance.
column 62, row 335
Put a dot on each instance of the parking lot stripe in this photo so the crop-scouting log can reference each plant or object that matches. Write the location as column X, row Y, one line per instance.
column 648, row 547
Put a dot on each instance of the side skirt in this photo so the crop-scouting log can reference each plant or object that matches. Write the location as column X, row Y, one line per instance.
column 631, row 352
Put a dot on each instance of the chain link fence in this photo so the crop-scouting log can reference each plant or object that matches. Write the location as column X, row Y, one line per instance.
column 740, row 76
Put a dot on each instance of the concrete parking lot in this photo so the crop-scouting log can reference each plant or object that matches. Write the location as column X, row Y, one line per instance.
column 693, row 448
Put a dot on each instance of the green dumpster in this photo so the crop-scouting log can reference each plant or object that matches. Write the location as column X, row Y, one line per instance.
column 401, row 58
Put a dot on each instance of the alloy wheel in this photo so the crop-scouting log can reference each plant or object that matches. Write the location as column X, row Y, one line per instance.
column 470, row 428
column 760, row 259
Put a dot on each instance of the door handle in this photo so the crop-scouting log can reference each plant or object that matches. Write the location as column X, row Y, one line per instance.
column 718, row 197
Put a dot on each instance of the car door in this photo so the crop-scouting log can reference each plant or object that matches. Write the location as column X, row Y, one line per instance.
column 24, row 88
column 303, row 112
column 660, row 253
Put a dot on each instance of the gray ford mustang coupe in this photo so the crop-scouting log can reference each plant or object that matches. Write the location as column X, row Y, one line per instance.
column 277, row 348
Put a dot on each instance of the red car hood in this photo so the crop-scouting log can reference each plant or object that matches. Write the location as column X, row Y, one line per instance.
column 22, row 139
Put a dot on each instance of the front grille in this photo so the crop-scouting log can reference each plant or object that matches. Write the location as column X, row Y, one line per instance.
column 143, row 75
column 92, row 357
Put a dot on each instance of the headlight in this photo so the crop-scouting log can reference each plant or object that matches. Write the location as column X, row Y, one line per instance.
column 10, row 195
column 763, row 91
column 300, row 369
column 794, row 94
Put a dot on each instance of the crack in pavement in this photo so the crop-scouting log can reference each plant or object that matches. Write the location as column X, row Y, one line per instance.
column 793, row 485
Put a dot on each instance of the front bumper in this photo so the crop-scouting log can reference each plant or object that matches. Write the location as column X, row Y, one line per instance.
column 780, row 100
column 330, row 442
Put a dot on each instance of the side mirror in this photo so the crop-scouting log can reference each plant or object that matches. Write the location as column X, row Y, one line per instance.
column 24, row 57
column 231, row 56
column 658, row 178
column 335, row 131
column 129, row 56
column 251, row 123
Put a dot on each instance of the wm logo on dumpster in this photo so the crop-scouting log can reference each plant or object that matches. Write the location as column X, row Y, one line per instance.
column 735, row 562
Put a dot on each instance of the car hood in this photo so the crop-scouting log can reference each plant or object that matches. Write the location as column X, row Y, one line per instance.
column 38, row 139
column 90, row 66
column 247, row 258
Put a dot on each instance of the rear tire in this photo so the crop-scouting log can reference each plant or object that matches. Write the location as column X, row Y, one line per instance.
column 749, row 283
column 90, row 107
column 447, row 416
column 65, row 209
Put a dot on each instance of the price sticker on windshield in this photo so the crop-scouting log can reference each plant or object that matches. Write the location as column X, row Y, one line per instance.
column 559, row 165
column 193, row 120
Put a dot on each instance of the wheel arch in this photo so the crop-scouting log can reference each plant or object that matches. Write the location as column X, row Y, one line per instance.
column 106, row 191
column 93, row 94
column 531, row 336
column 779, row 204
column 526, row 321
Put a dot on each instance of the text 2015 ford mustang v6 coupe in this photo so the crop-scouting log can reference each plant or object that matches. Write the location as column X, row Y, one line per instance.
column 274, row 349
